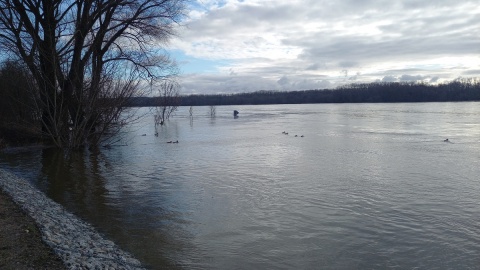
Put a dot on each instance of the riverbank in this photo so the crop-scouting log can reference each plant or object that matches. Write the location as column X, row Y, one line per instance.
column 73, row 241
column 21, row 245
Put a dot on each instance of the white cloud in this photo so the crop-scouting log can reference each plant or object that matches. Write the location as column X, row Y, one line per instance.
column 306, row 44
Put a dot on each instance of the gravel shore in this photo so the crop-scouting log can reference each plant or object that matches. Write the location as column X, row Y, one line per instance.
column 74, row 241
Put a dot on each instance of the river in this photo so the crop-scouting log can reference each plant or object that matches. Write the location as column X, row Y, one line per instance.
column 368, row 186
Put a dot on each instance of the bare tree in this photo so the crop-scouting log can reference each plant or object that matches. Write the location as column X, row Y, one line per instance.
column 87, row 57
column 213, row 111
column 167, row 102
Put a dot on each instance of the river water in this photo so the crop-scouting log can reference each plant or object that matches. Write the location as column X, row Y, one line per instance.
column 369, row 186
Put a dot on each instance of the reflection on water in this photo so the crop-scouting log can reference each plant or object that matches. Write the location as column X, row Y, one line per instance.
column 78, row 181
column 368, row 186
column 74, row 179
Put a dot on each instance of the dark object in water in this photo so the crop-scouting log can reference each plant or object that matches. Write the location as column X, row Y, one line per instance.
column 235, row 113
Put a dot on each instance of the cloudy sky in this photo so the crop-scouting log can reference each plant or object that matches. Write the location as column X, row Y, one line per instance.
column 233, row 46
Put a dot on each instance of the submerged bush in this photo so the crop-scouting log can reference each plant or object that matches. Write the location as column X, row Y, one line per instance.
column 19, row 118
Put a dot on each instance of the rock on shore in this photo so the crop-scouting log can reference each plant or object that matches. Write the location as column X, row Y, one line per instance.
column 73, row 240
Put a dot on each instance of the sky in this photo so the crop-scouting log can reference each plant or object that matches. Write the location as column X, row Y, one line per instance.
column 235, row 46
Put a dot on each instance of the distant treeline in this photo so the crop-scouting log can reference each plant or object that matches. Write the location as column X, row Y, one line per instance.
column 378, row 92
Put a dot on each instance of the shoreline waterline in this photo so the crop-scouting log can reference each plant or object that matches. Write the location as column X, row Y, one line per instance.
column 77, row 243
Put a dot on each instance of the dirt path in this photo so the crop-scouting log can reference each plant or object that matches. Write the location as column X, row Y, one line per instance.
column 21, row 245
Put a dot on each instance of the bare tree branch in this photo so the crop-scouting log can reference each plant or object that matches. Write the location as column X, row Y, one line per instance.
column 77, row 49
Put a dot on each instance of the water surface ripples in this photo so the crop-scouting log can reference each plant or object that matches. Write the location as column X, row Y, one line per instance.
column 369, row 186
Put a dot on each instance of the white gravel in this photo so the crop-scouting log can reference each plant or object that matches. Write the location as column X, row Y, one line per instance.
column 76, row 242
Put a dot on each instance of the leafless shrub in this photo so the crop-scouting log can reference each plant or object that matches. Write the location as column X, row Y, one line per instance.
column 167, row 101
column 213, row 111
